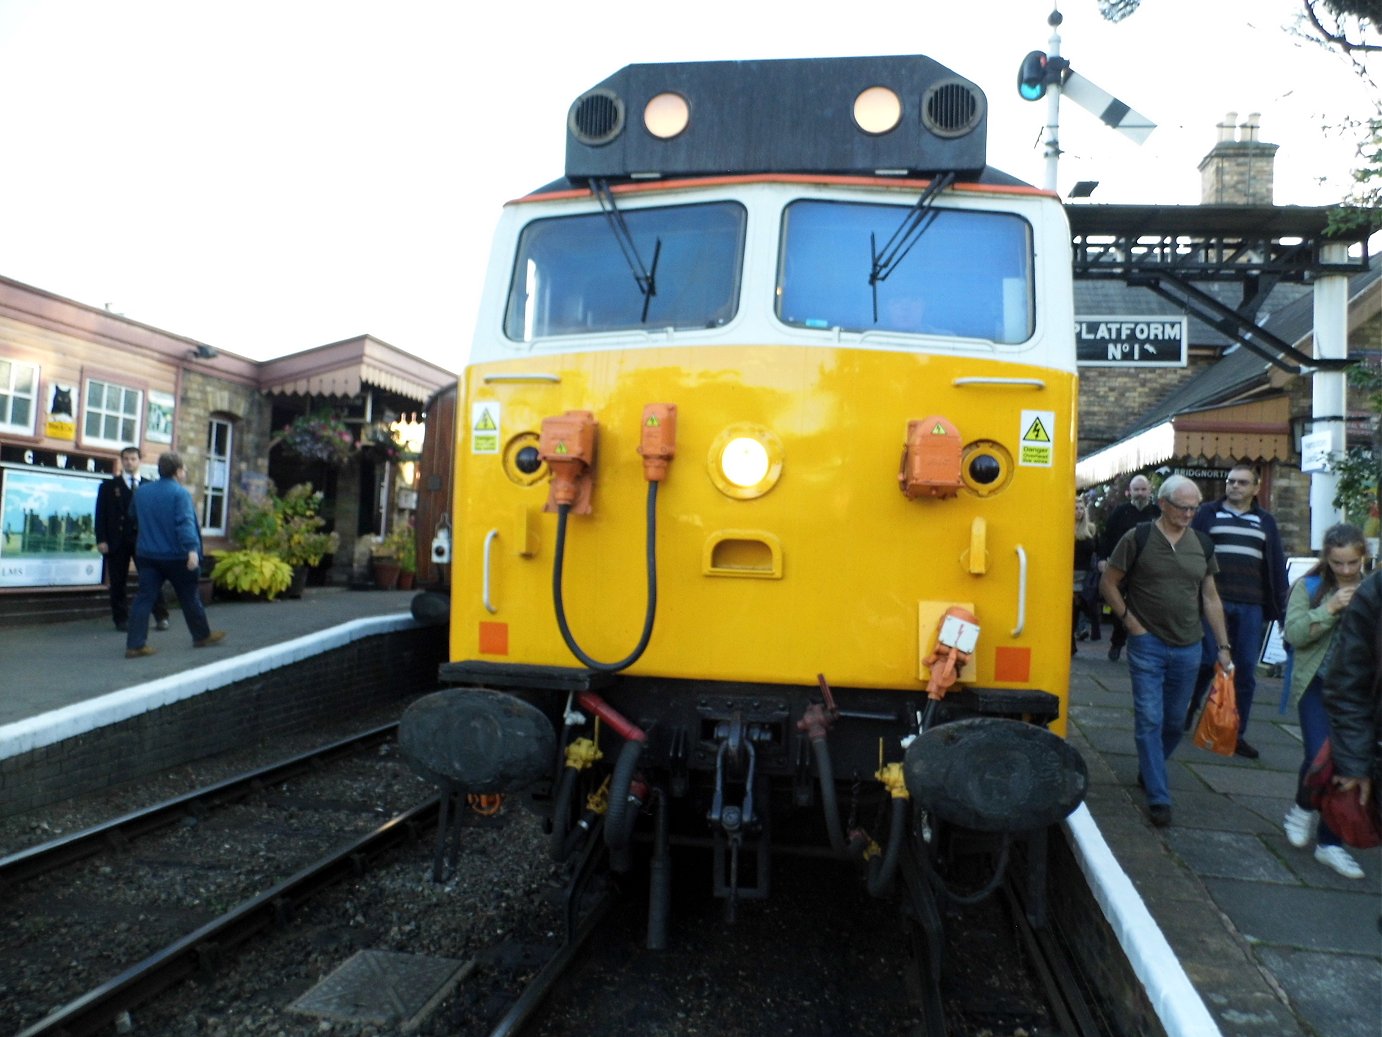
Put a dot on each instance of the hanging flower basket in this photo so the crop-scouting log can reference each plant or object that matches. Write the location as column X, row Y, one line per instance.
column 320, row 437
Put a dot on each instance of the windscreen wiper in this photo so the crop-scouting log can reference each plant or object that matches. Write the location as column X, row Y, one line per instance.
column 917, row 221
column 644, row 277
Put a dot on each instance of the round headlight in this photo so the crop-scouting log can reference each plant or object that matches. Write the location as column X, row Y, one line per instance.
column 877, row 110
column 666, row 115
column 744, row 461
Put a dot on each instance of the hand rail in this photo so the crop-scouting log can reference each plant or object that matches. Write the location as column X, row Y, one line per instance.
column 1021, row 591
column 1031, row 383
column 489, row 542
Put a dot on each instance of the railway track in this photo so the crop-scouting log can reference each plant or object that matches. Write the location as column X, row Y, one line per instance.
column 837, row 961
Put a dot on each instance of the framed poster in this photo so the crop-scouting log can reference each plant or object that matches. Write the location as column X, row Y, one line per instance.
column 47, row 528
column 160, row 425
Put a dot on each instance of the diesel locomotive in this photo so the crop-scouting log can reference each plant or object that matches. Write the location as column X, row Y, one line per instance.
column 762, row 481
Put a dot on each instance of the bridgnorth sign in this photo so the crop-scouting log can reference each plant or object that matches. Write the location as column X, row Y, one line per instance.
column 1131, row 341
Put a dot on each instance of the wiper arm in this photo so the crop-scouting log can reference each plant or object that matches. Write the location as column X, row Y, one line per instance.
column 644, row 277
column 917, row 221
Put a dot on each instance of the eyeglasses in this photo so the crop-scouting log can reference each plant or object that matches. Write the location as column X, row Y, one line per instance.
column 1239, row 482
column 1186, row 508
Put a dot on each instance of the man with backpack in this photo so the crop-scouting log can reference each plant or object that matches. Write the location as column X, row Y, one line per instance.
column 1139, row 507
column 1252, row 585
column 1169, row 572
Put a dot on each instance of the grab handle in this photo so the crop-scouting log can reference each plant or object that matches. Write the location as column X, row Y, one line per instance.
column 1021, row 591
column 489, row 542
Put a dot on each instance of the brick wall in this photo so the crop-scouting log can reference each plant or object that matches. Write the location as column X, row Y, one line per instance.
column 203, row 396
column 376, row 670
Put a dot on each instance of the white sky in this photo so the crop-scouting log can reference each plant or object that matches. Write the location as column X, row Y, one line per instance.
column 271, row 175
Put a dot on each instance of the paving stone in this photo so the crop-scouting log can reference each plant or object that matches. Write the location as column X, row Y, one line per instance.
column 1227, row 855
column 1300, row 917
column 1254, row 780
column 1200, row 808
column 1337, row 994
column 1101, row 716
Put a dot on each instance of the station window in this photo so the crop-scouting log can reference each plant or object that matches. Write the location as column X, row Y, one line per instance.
column 578, row 275
column 966, row 274
column 18, row 396
column 110, row 416
column 216, row 485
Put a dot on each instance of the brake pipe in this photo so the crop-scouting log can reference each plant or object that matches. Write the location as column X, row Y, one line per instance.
column 623, row 727
column 882, row 870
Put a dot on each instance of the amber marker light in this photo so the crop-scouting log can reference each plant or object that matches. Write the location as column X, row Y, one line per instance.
column 666, row 115
column 877, row 110
column 745, row 461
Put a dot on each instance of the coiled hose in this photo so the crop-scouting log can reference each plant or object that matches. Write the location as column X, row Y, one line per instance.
column 650, row 611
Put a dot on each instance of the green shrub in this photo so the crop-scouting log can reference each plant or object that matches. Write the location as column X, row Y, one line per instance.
column 252, row 572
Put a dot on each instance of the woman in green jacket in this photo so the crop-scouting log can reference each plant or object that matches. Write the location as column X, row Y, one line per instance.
column 1312, row 614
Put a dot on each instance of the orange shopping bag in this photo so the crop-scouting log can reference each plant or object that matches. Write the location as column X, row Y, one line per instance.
column 1218, row 727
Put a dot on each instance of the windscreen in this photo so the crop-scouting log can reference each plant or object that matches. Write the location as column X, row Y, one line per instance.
column 678, row 267
column 961, row 273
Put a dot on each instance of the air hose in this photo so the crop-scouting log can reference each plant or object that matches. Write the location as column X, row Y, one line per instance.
column 650, row 612
column 882, row 869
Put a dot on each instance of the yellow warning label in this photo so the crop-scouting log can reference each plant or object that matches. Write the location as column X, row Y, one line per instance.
column 484, row 427
column 1036, row 448
column 938, row 430
column 561, row 448
column 652, row 421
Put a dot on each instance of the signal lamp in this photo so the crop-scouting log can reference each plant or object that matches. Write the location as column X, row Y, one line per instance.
column 666, row 115
column 1032, row 78
column 877, row 110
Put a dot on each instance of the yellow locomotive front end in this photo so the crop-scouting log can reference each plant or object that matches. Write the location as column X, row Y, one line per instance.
column 764, row 479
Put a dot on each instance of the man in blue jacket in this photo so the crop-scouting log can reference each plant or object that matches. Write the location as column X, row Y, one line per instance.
column 1252, row 585
column 169, row 548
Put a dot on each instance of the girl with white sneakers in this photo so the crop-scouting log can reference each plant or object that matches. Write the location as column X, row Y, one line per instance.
column 1312, row 615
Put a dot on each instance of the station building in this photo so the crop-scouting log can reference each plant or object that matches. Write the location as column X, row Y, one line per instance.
column 79, row 383
column 1199, row 399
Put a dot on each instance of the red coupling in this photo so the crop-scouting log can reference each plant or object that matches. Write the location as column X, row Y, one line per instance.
column 625, row 729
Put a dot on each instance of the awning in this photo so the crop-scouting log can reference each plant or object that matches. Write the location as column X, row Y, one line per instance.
column 1259, row 430
column 342, row 368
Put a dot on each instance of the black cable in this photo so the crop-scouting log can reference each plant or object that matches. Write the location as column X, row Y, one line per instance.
column 650, row 612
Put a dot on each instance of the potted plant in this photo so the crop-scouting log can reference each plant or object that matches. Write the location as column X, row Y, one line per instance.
column 252, row 572
column 288, row 527
column 384, row 564
column 403, row 543
column 320, row 436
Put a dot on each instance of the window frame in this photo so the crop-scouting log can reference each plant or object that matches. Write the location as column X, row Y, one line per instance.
column 35, row 400
column 211, row 491
column 136, row 415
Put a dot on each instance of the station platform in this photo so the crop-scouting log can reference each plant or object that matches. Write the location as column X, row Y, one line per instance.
column 1231, row 930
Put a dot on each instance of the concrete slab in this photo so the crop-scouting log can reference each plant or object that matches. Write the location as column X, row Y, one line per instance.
column 1300, row 917
column 1245, row 780
column 1200, row 808
column 1227, row 855
column 1337, row 994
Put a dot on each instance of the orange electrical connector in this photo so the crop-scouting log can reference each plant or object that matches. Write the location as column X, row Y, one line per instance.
column 657, row 439
column 931, row 463
column 567, row 444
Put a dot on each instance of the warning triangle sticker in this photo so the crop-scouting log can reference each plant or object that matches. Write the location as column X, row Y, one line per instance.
column 938, row 430
column 1036, row 433
column 486, row 422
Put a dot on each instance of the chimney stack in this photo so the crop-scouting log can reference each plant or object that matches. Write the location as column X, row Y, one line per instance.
column 1238, row 170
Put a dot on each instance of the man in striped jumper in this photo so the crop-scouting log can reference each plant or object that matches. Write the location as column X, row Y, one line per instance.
column 1252, row 585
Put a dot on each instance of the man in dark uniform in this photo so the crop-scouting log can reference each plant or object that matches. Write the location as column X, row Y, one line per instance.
column 116, row 533
column 1137, row 509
